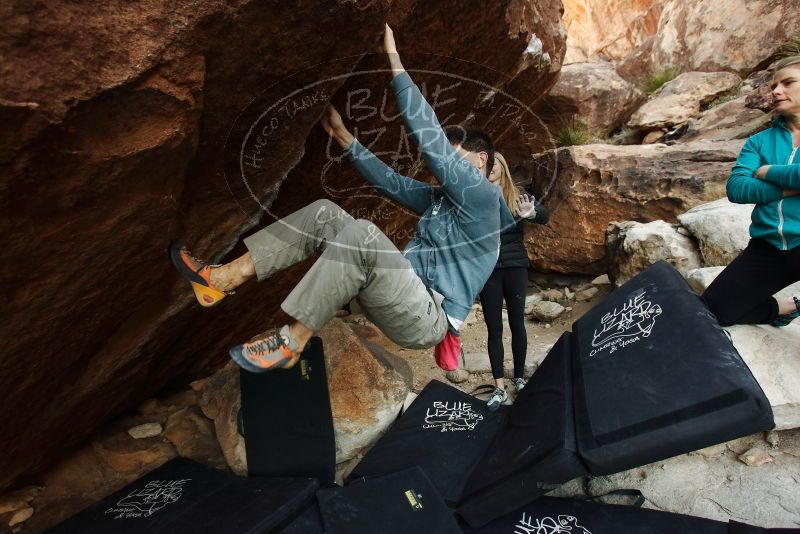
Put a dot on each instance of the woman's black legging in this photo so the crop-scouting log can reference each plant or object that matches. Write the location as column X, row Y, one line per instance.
column 742, row 293
column 510, row 283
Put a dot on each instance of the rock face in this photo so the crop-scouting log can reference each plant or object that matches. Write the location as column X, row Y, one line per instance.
column 734, row 36
column 608, row 28
column 632, row 247
column 681, row 99
column 367, row 386
column 114, row 128
column 587, row 187
column 721, row 228
column 711, row 36
column 595, row 95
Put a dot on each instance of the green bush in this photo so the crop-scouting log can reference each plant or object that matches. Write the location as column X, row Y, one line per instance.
column 571, row 133
column 719, row 100
column 624, row 136
column 653, row 82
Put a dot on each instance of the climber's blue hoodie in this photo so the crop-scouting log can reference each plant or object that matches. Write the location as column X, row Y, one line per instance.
column 775, row 218
column 457, row 241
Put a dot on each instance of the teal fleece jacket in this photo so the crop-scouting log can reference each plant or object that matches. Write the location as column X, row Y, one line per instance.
column 457, row 241
column 775, row 218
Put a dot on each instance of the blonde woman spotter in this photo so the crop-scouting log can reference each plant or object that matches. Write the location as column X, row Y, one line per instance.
column 509, row 282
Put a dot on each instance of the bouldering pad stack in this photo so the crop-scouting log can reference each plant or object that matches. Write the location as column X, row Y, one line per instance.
column 645, row 375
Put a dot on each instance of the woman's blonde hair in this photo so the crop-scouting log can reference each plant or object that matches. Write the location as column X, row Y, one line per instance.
column 786, row 62
column 510, row 191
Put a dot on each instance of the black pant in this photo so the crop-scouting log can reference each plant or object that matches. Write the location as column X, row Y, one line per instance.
column 510, row 283
column 742, row 293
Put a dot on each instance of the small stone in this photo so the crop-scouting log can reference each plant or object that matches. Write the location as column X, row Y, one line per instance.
column 20, row 516
column 568, row 294
column 756, row 457
column 652, row 137
column 547, row 325
column 773, row 438
column 552, row 295
column 147, row 430
column 547, row 311
column 568, row 308
column 586, row 294
column 530, row 301
column 601, row 280
column 715, row 451
column 458, row 376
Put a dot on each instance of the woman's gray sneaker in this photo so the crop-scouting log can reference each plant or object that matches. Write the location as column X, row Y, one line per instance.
column 498, row 397
column 519, row 383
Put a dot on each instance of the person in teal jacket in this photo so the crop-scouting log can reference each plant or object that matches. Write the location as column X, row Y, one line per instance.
column 415, row 297
column 767, row 173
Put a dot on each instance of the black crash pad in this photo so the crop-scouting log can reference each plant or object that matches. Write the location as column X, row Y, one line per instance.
column 445, row 432
column 656, row 376
column 286, row 419
column 536, row 451
column 401, row 503
column 184, row 497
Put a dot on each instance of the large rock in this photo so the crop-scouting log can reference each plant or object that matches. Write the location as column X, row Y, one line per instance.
column 721, row 227
column 589, row 186
column 114, row 127
column 700, row 279
column 680, row 99
column 632, row 247
column 546, row 311
column 219, row 399
column 730, row 35
column 771, row 354
column 367, row 385
column 729, row 120
column 718, row 485
column 595, row 95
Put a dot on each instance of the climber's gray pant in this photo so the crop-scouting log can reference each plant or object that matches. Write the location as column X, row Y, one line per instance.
column 357, row 261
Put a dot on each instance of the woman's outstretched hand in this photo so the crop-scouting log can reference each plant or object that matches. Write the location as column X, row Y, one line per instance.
column 526, row 206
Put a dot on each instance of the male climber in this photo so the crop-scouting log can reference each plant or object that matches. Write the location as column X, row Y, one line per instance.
column 416, row 297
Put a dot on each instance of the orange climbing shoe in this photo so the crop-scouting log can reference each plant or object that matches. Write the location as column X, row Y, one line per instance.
column 198, row 274
column 275, row 349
